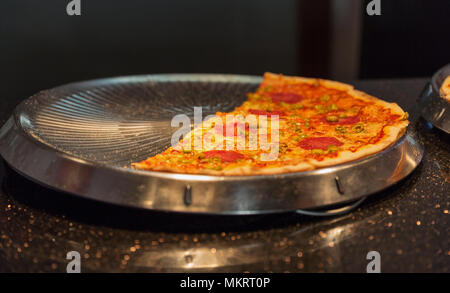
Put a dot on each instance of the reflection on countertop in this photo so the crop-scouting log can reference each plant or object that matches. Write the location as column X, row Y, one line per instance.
column 408, row 224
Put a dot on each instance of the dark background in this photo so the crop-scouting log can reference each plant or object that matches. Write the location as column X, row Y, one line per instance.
column 41, row 46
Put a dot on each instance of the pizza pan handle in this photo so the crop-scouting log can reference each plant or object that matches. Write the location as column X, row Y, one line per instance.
column 333, row 212
column 426, row 92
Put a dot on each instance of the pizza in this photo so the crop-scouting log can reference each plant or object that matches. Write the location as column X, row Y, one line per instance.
column 445, row 89
column 289, row 124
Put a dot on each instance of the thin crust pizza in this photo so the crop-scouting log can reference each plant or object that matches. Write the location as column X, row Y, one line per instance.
column 290, row 124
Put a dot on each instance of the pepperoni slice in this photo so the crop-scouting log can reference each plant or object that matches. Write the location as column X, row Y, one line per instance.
column 344, row 121
column 289, row 98
column 267, row 113
column 349, row 120
column 321, row 143
column 225, row 156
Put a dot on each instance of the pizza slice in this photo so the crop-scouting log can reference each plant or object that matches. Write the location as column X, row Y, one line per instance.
column 290, row 124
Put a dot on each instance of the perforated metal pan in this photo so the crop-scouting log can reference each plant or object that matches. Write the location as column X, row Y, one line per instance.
column 81, row 138
column 434, row 108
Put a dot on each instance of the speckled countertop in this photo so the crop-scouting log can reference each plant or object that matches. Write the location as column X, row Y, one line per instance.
column 408, row 224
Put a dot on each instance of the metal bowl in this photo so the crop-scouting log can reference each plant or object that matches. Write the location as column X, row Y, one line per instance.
column 81, row 138
column 433, row 107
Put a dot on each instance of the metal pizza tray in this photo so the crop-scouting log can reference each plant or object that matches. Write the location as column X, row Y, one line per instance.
column 82, row 137
column 434, row 108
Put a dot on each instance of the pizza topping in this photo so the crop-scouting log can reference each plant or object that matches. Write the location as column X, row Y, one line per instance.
column 320, row 109
column 358, row 128
column 341, row 129
column 333, row 119
column 253, row 96
column 185, row 161
column 225, row 156
column 321, row 143
column 349, row 120
column 317, row 152
column 325, row 98
column 268, row 88
column 332, row 107
column 332, row 148
column 289, row 98
column 266, row 112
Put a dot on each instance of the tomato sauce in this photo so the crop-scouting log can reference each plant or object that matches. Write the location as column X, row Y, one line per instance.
column 344, row 121
column 321, row 143
column 289, row 98
column 267, row 113
column 225, row 156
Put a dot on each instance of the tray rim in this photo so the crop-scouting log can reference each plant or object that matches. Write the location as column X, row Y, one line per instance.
column 434, row 82
column 15, row 128
column 432, row 103
column 161, row 174
column 205, row 177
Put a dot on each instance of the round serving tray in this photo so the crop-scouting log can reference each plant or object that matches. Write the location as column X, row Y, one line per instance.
column 81, row 138
column 434, row 108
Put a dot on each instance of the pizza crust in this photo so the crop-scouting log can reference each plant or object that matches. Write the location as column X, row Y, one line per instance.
column 239, row 171
column 274, row 79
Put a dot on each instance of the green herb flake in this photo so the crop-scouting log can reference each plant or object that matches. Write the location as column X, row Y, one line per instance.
column 340, row 129
column 332, row 119
column 325, row 98
column 332, row 148
column 317, row 152
column 320, row 109
column 358, row 128
column 332, row 107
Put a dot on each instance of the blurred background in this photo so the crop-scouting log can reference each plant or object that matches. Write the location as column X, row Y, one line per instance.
column 41, row 46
